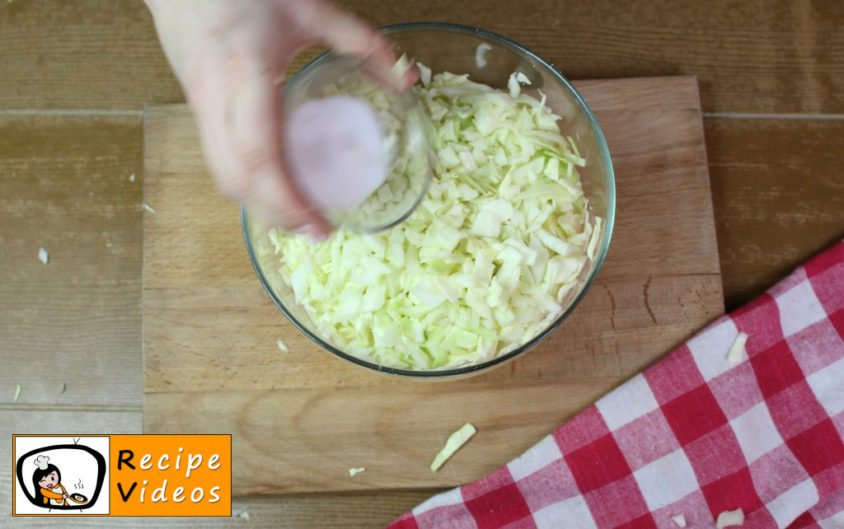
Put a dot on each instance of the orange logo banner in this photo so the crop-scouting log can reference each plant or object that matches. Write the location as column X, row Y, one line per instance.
column 171, row 475
column 122, row 475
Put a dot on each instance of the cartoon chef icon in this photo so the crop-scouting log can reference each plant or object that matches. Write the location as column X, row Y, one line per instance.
column 47, row 480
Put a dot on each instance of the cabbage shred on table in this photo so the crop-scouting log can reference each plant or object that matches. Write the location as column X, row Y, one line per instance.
column 485, row 262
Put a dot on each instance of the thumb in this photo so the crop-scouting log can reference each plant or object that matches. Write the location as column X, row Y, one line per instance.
column 251, row 132
column 347, row 34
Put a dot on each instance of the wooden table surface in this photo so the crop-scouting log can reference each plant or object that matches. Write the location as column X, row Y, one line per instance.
column 74, row 77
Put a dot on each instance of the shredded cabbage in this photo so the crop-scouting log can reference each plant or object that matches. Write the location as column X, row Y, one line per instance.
column 730, row 519
column 454, row 443
column 487, row 260
column 480, row 54
column 737, row 351
column 354, row 471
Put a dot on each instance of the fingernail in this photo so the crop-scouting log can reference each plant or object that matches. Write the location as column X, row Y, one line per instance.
column 311, row 231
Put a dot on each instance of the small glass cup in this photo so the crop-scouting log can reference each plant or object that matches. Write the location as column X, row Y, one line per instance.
column 369, row 202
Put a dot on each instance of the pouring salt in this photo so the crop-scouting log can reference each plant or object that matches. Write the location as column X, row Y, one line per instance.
column 336, row 151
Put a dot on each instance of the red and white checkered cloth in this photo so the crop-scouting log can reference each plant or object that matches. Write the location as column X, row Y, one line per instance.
column 694, row 434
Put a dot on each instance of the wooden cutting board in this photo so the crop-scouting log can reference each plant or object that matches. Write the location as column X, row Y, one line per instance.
column 301, row 419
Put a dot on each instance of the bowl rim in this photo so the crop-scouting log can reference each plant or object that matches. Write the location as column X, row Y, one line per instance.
column 598, row 261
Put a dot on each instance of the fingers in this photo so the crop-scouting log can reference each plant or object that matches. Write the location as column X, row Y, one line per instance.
column 241, row 129
column 254, row 125
column 346, row 34
column 229, row 61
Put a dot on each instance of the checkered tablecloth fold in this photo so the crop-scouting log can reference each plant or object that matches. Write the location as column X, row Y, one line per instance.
column 695, row 434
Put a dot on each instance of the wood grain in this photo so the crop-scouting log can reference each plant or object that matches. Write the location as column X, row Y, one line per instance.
column 778, row 188
column 312, row 437
column 758, row 56
column 70, row 331
column 88, row 54
column 211, row 361
column 755, row 56
column 792, row 60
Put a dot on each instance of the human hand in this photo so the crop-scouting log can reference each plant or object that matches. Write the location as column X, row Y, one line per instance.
column 230, row 57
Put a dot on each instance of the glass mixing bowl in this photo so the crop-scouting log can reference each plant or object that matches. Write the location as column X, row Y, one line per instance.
column 491, row 59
